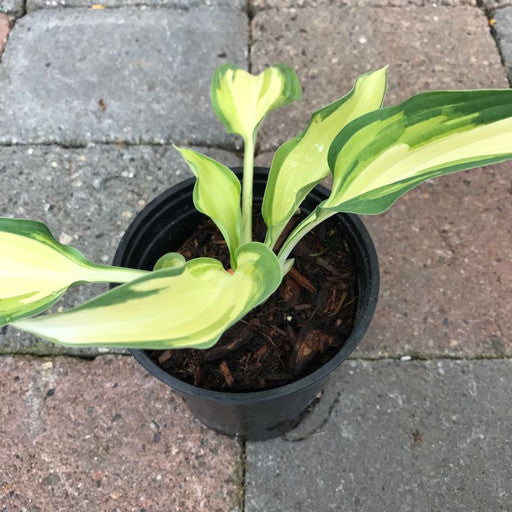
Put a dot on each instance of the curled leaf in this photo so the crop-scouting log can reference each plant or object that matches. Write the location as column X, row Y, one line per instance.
column 176, row 307
column 382, row 155
column 301, row 163
column 242, row 100
column 173, row 260
column 216, row 194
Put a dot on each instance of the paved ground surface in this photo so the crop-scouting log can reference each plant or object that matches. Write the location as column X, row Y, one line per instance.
column 92, row 95
column 401, row 436
column 102, row 435
column 87, row 197
column 144, row 79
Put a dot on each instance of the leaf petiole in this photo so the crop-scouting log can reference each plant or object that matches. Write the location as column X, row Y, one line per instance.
column 247, row 187
column 316, row 217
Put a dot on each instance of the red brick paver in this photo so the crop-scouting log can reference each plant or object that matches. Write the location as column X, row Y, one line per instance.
column 446, row 270
column 103, row 435
column 426, row 48
column 444, row 248
column 6, row 23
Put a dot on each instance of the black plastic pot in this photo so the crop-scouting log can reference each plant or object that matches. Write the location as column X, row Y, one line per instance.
column 162, row 227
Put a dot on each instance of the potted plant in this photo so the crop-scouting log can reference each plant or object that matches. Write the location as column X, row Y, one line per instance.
column 166, row 303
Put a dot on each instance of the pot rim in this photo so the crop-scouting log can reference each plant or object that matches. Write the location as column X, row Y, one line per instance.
column 364, row 312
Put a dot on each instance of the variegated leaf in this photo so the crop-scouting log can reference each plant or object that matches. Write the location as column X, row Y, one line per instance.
column 36, row 270
column 301, row 163
column 170, row 260
column 242, row 100
column 182, row 306
column 216, row 194
column 382, row 155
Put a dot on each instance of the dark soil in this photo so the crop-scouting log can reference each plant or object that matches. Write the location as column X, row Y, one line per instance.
column 300, row 327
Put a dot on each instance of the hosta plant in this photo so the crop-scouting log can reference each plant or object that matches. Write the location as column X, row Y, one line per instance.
column 374, row 155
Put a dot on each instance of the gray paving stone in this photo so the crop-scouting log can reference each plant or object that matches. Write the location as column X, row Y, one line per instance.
column 491, row 6
column 87, row 197
column 103, row 435
column 446, row 272
column 503, row 30
column 427, row 48
column 33, row 5
column 73, row 76
column 316, row 4
column 392, row 436
column 14, row 7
